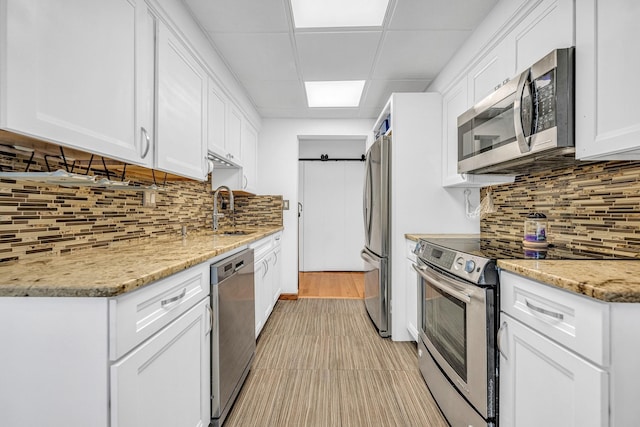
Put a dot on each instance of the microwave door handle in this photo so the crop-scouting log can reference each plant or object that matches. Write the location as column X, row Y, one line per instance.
column 442, row 285
column 523, row 141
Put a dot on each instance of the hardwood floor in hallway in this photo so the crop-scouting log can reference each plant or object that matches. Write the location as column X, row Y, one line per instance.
column 330, row 284
column 320, row 362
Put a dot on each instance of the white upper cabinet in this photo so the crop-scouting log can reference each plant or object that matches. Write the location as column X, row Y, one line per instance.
column 182, row 108
column 495, row 69
column 233, row 143
column 607, row 61
column 216, row 115
column 76, row 72
column 549, row 26
column 249, row 157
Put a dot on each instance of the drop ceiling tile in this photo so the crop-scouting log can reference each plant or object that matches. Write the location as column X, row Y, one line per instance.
column 379, row 91
column 337, row 56
column 439, row 15
column 416, row 54
column 258, row 56
column 279, row 94
column 240, row 16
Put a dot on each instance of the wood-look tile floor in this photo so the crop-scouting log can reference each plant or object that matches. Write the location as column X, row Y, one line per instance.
column 320, row 362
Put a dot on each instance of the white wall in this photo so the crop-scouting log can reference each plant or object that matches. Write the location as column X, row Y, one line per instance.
column 278, row 171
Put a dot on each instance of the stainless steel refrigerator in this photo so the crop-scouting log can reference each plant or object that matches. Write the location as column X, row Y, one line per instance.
column 377, row 226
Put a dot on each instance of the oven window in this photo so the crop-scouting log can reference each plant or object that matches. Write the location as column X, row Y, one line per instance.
column 444, row 321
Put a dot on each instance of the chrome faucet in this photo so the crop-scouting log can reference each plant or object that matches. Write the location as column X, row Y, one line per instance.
column 217, row 215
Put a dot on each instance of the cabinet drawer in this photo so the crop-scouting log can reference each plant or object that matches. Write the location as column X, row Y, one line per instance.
column 135, row 316
column 262, row 247
column 577, row 322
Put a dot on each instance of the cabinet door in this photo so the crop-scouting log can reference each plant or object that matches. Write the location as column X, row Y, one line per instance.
column 544, row 384
column 234, row 134
column 454, row 103
column 260, row 272
column 550, row 26
column 607, row 60
column 216, row 117
column 249, row 158
column 76, row 72
column 182, row 105
column 496, row 68
column 165, row 381
column 276, row 271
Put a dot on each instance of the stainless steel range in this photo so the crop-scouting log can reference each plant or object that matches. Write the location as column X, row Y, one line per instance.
column 457, row 329
column 458, row 318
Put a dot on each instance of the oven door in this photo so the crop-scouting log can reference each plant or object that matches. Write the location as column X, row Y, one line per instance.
column 454, row 319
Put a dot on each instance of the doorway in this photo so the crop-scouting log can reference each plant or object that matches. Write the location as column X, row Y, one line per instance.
column 330, row 224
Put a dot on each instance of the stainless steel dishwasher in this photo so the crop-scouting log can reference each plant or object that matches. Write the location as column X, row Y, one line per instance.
column 233, row 341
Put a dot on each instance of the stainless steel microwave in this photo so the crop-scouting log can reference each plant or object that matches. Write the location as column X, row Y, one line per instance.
column 527, row 124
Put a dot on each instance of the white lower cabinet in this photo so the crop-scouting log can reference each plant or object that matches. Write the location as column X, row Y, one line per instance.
column 544, row 384
column 267, row 266
column 165, row 381
column 566, row 359
column 139, row 359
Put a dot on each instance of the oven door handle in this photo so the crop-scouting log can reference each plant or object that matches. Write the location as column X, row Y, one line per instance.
column 443, row 283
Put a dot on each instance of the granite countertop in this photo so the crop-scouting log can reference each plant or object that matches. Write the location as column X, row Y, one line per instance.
column 606, row 280
column 122, row 268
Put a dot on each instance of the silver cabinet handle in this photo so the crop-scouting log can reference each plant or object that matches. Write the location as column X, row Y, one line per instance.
column 266, row 268
column 501, row 331
column 173, row 299
column 246, row 182
column 544, row 311
column 147, row 139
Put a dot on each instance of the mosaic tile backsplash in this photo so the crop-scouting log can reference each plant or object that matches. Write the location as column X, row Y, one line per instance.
column 38, row 219
column 593, row 207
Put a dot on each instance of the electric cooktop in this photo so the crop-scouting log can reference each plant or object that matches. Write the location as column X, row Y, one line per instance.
column 513, row 249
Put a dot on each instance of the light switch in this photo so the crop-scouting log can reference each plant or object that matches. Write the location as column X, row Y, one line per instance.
column 285, row 205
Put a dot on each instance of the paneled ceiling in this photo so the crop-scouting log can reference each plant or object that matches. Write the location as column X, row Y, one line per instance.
column 272, row 59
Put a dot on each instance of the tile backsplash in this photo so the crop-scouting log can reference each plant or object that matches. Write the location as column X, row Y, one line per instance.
column 39, row 219
column 593, row 207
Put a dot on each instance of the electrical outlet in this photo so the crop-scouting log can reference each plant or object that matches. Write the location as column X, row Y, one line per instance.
column 285, row 205
column 149, row 198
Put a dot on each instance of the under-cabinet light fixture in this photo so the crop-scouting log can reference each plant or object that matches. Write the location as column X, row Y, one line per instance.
column 334, row 93
column 338, row 13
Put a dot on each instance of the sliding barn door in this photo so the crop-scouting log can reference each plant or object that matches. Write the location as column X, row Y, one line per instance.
column 332, row 211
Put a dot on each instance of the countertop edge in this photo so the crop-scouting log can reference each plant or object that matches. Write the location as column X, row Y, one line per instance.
column 19, row 283
column 611, row 281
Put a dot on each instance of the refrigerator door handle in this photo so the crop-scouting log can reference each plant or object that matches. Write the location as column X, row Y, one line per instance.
column 364, row 254
column 366, row 200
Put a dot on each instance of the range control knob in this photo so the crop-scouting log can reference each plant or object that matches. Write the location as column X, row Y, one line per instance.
column 469, row 266
column 459, row 263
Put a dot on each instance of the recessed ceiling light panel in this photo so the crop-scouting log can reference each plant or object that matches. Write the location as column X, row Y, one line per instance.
column 334, row 93
column 338, row 13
